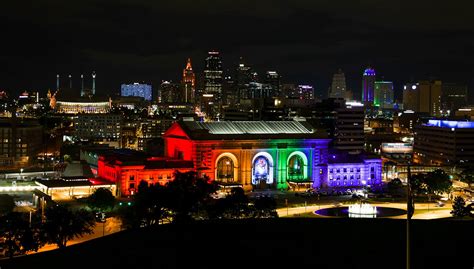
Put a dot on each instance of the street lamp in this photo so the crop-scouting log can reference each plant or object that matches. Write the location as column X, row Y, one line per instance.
column 21, row 171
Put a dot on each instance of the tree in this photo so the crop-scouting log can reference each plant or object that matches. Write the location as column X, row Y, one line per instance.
column 19, row 236
column 265, row 207
column 234, row 206
column 7, row 204
column 102, row 199
column 394, row 186
column 187, row 193
column 459, row 208
column 437, row 182
column 467, row 176
column 150, row 203
column 63, row 224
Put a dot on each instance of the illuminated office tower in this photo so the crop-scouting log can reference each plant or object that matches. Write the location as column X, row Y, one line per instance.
column 368, row 85
column 338, row 86
column 272, row 78
column 383, row 93
column 242, row 79
column 213, row 75
column 411, row 97
column 189, row 83
column 430, row 97
column 454, row 96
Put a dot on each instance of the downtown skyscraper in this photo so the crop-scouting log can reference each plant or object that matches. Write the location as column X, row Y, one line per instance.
column 338, row 86
column 188, row 83
column 213, row 75
column 368, row 85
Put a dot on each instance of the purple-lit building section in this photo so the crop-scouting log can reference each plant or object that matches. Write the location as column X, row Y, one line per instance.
column 368, row 85
column 345, row 170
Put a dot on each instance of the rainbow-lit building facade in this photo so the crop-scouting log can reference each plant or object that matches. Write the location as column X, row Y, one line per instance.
column 267, row 154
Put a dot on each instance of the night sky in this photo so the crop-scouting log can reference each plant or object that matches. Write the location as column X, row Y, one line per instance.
column 306, row 41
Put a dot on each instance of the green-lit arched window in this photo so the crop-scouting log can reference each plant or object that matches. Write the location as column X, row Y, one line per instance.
column 225, row 169
column 296, row 168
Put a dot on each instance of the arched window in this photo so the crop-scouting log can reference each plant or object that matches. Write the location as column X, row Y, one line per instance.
column 296, row 167
column 261, row 168
column 225, row 169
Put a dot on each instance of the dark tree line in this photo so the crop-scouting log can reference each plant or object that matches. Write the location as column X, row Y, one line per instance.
column 58, row 226
column 190, row 197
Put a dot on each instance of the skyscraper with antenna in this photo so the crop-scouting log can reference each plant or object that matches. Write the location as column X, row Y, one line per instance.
column 93, row 82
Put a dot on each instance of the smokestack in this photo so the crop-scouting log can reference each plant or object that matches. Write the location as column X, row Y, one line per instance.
column 82, row 85
column 93, row 82
column 57, row 82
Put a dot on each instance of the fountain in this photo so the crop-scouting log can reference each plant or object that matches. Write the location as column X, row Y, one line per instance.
column 362, row 211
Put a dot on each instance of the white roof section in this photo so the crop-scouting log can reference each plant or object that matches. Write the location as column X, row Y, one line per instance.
column 252, row 127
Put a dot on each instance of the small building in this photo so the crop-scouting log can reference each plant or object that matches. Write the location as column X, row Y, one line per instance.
column 444, row 142
column 77, row 181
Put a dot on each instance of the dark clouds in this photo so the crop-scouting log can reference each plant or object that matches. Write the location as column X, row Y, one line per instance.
column 127, row 40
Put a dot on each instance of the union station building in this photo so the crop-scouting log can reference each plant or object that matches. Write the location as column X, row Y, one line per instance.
column 268, row 154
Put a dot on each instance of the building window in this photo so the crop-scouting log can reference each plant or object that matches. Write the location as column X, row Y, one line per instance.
column 225, row 169
column 358, row 170
column 132, row 178
column 296, row 168
column 345, row 170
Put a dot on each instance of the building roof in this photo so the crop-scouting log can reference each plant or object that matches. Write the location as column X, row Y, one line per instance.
column 78, row 170
column 451, row 124
column 147, row 162
column 59, row 183
column 336, row 156
column 250, row 130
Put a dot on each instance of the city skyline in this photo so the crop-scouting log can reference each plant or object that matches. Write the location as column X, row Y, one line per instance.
column 417, row 48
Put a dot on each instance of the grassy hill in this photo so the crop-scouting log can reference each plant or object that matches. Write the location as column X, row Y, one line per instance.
column 277, row 243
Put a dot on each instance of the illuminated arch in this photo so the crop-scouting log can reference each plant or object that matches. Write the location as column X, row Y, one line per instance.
column 235, row 164
column 298, row 154
column 269, row 158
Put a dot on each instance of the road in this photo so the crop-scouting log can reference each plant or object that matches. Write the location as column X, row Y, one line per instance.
column 422, row 211
column 112, row 225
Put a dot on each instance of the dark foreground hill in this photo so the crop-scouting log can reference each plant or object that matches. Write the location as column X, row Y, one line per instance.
column 279, row 243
